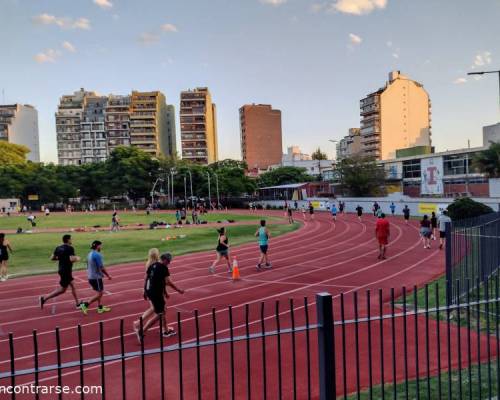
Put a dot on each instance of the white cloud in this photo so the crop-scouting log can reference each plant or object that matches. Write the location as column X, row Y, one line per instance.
column 459, row 81
column 355, row 39
column 68, row 46
column 388, row 43
column 357, row 7
column 105, row 4
column 318, row 7
column 395, row 55
column 62, row 22
column 274, row 2
column 147, row 38
column 169, row 28
column 482, row 58
column 47, row 56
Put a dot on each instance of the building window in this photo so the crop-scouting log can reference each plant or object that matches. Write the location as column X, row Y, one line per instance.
column 411, row 169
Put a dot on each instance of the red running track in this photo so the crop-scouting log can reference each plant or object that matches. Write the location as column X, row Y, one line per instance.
column 321, row 256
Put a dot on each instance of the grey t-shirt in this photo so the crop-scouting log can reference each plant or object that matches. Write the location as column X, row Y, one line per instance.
column 442, row 220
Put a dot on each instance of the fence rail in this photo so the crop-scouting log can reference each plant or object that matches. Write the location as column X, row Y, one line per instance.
column 365, row 345
column 472, row 252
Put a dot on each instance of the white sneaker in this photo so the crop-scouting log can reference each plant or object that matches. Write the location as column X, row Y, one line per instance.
column 211, row 270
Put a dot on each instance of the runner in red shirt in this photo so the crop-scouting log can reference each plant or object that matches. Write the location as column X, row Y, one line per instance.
column 382, row 232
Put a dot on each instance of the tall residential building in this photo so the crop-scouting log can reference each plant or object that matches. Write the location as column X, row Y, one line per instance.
column 261, row 138
column 349, row 145
column 198, row 126
column 68, row 127
column 118, row 121
column 19, row 125
column 89, row 126
column 148, row 122
column 394, row 117
column 92, row 130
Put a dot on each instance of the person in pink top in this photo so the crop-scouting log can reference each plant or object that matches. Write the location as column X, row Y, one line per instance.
column 382, row 232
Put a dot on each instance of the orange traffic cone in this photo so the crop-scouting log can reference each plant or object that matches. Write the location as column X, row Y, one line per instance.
column 236, row 270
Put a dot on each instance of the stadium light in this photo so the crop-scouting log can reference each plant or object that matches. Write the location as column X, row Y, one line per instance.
column 489, row 72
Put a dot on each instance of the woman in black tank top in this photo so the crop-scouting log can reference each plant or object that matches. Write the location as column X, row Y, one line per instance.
column 4, row 256
column 222, row 251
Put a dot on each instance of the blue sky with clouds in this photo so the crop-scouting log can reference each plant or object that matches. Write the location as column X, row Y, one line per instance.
column 314, row 60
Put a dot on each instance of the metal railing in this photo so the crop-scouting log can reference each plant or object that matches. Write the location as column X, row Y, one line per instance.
column 472, row 252
column 383, row 344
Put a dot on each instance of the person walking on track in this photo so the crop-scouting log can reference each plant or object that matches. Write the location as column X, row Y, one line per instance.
column 95, row 273
column 382, row 233
column 290, row 215
column 115, row 222
column 443, row 220
column 426, row 231
column 393, row 208
column 5, row 248
column 333, row 210
column 359, row 211
column 434, row 224
column 264, row 235
column 311, row 210
column 406, row 214
column 222, row 251
column 155, row 290
column 66, row 257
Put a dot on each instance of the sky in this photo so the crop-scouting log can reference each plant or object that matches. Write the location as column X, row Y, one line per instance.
column 313, row 60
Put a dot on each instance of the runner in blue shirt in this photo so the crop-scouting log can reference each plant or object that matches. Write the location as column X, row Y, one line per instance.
column 393, row 208
column 263, row 234
column 95, row 273
column 334, row 211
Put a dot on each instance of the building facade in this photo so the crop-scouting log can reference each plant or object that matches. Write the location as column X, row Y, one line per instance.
column 198, row 126
column 394, row 117
column 261, row 136
column 349, row 145
column 89, row 127
column 491, row 134
column 19, row 125
column 294, row 153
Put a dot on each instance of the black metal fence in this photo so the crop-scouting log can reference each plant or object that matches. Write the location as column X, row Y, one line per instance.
column 472, row 252
column 386, row 344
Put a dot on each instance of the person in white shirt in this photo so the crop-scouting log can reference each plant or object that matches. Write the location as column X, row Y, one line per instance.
column 443, row 219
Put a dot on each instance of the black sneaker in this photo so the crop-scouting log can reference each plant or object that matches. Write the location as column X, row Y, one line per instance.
column 258, row 267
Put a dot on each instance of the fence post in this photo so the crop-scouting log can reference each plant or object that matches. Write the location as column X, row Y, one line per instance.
column 449, row 266
column 325, row 346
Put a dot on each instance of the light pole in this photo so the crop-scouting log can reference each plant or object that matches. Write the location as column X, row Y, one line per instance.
column 185, row 192
column 172, row 173
column 334, row 148
column 490, row 72
column 217, row 186
column 153, row 191
column 191, row 185
column 209, row 196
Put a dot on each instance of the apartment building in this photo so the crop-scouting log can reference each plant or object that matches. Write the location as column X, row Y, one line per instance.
column 395, row 117
column 68, row 127
column 117, row 121
column 89, row 127
column 19, row 125
column 198, row 126
column 261, row 136
column 349, row 145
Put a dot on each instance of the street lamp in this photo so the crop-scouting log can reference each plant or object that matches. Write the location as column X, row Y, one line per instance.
column 153, row 191
column 217, row 186
column 489, row 72
column 334, row 148
column 185, row 192
column 209, row 196
column 191, row 185
column 172, row 173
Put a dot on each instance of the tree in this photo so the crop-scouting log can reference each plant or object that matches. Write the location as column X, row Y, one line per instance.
column 284, row 176
column 488, row 161
column 319, row 155
column 11, row 153
column 465, row 207
column 361, row 176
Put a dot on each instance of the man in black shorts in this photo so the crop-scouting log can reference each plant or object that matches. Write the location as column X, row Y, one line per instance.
column 65, row 255
column 155, row 290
